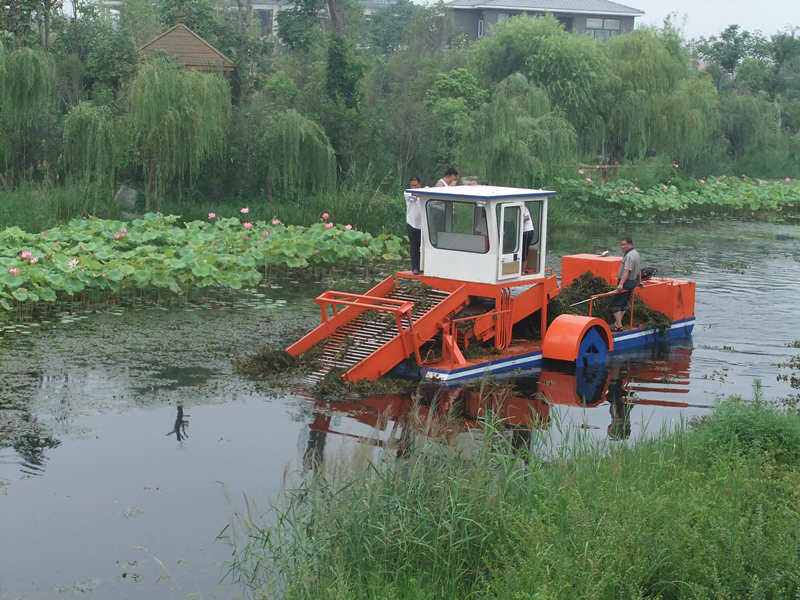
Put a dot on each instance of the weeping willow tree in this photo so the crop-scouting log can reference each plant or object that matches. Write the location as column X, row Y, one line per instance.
column 27, row 101
column 90, row 148
column 519, row 138
column 284, row 153
column 688, row 124
column 646, row 70
column 178, row 120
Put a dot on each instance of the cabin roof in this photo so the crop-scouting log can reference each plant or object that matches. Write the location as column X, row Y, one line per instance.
column 479, row 192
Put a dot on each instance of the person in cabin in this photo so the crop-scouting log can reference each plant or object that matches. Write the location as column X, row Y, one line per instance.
column 450, row 178
column 527, row 235
column 414, row 224
column 629, row 277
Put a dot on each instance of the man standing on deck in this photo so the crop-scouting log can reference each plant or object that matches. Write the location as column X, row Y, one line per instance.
column 629, row 276
column 450, row 178
column 414, row 224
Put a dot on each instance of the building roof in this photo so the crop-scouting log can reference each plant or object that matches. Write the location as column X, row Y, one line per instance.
column 189, row 49
column 589, row 7
column 478, row 192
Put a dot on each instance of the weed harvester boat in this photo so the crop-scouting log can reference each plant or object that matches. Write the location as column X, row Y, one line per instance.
column 474, row 291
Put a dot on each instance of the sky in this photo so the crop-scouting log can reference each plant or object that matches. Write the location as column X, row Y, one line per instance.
column 709, row 17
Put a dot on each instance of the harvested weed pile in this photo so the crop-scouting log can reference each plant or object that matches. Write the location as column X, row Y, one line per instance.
column 586, row 286
column 268, row 361
column 333, row 388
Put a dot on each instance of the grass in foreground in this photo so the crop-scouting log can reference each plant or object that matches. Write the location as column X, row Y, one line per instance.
column 709, row 511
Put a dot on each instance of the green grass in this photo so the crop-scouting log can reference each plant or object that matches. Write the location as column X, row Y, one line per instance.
column 34, row 207
column 709, row 511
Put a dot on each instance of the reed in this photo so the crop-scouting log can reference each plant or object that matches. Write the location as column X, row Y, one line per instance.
column 702, row 511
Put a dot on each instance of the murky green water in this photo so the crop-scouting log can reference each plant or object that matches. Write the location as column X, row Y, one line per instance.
column 99, row 498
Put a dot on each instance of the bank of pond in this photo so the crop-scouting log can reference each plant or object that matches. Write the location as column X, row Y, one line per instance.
column 706, row 510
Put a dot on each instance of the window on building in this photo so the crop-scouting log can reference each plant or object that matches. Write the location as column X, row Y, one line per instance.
column 481, row 28
column 264, row 20
column 457, row 226
column 602, row 29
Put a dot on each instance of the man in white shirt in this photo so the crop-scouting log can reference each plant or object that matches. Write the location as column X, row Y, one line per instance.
column 450, row 178
column 414, row 224
column 527, row 234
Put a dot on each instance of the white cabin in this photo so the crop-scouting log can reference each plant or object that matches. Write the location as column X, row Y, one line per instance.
column 474, row 232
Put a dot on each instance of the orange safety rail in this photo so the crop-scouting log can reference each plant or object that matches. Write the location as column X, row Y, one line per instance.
column 341, row 318
column 385, row 358
column 332, row 300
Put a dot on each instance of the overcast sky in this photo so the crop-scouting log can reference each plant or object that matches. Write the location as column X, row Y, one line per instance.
column 709, row 17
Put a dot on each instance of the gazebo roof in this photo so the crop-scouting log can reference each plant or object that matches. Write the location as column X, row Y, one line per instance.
column 189, row 49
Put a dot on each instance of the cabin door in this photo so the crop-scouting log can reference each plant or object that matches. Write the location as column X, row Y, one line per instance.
column 509, row 223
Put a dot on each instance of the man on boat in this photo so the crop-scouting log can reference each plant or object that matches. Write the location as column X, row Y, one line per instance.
column 527, row 235
column 629, row 274
column 450, row 178
column 414, row 224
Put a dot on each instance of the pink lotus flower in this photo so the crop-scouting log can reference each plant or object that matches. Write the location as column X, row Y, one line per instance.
column 73, row 263
column 247, row 225
column 348, row 227
column 26, row 255
column 276, row 221
column 212, row 216
column 328, row 225
column 244, row 210
column 14, row 272
column 325, row 216
column 120, row 234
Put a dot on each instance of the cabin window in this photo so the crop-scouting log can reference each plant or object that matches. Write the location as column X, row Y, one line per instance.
column 510, row 228
column 457, row 226
column 535, row 208
column 481, row 28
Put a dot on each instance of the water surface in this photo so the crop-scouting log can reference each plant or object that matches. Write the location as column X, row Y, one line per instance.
column 99, row 498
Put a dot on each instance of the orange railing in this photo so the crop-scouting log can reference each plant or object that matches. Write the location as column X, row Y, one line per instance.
column 399, row 308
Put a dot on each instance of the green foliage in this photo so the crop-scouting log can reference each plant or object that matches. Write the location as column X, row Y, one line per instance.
column 90, row 146
column 519, row 138
column 27, row 103
column 387, row 26
column 715, row 195
column 106, row 53
column 156, row 253
column 697, row 513
column 197, row 15
column 344, row 72
column 299, row 26
column 178, row 120
column 35, row 207
column 288, row 154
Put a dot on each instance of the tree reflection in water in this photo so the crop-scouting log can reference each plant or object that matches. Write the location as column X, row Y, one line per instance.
column 180, row 425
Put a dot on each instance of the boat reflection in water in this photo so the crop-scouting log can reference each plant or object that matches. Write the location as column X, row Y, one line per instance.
column 527, row 402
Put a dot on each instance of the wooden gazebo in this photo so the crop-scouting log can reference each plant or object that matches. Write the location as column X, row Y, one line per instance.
column 189, row 50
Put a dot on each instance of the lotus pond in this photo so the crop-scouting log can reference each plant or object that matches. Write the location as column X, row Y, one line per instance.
column 128, row 441
column 95, row 259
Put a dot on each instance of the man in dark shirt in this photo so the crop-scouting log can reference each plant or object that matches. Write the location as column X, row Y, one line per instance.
column 629, row 275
